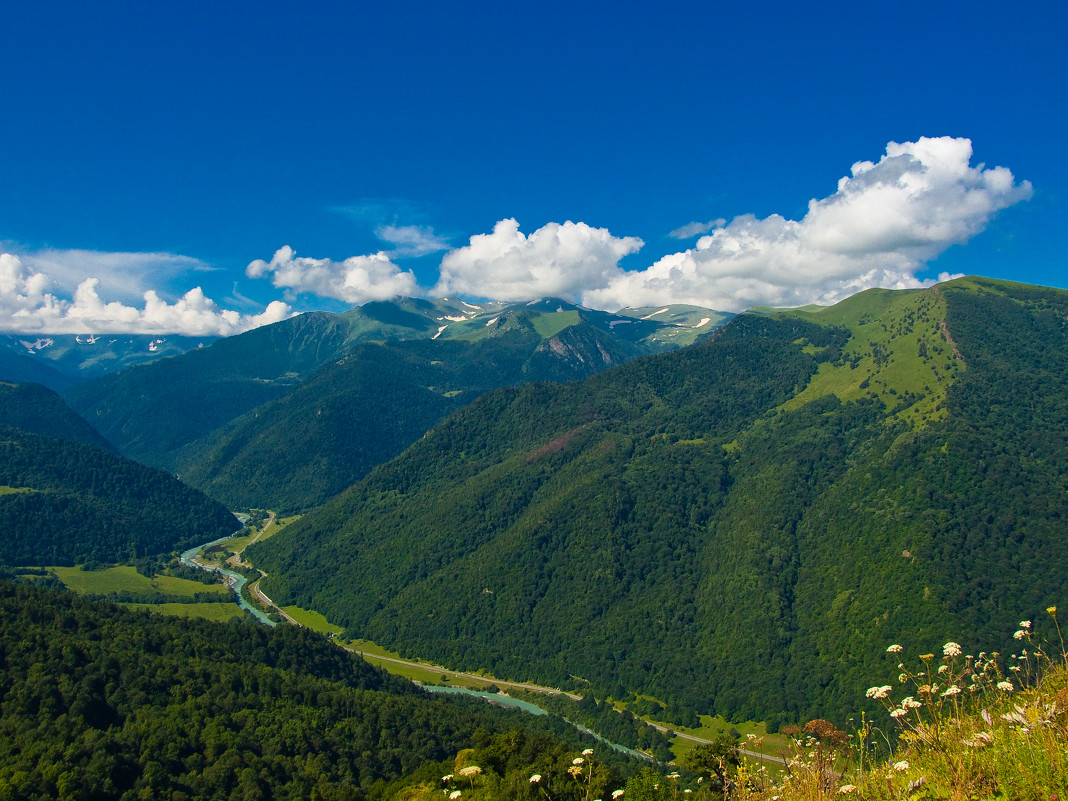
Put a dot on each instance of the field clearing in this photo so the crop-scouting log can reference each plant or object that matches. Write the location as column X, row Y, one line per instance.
column 217, row 612
column 237, row 544
column 101, row 582
column 15, row 490
column 774, row 744
column 424, row 674
column 125, row 578
column 279, row 524
column 313, row 620
column 172, row 585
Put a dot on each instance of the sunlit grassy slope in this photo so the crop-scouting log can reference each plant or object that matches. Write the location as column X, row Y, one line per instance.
column 898, row 352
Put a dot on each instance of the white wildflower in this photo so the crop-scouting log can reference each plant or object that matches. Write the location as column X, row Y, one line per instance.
column 588, row 752
column 535, row 778
column 847, row 788
column 1019, row 634
column 951, row 649
column 617, row 794
column 455, row 794
column 893, row 649
column 879, row 692
column 901, row 766
column 1005, row 686
column 577, row 761
column 952, row 689
column 1025, row 624
column 898, row 713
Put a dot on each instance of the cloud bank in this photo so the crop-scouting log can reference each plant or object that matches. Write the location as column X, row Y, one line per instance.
column 30, row 301
column 881, row 227
column 559, row 260
column 355, row 280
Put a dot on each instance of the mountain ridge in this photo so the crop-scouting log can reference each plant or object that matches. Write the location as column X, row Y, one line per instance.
column 645, row 506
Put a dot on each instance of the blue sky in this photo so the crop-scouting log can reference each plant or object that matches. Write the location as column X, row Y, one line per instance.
column 181, row 166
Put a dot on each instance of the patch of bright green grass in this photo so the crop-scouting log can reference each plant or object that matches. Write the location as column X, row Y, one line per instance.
column 897, row 348
column 426, row 674
column 774, row 744
column 171, row 585
column 551, row 324
column 311, row 619
column 279, row 524
column 217, row 612
column 237, row 544
column 100, row 582
column 125, row 578
column 15, row 490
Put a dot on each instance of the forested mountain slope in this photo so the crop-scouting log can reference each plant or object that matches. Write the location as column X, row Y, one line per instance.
column 19, row 369
column 739, row 527
column 79, row 357
column 64, row 502
column 38, row 410
column 299, row 450
column 151, row 410
column 102, row 702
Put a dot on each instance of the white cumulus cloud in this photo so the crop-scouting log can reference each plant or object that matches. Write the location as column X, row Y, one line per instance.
column 559, row 260
column 355, row 280
column 33, row 301
column 881, row 227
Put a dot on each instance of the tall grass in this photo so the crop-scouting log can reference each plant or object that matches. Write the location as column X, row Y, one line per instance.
column 967, row 727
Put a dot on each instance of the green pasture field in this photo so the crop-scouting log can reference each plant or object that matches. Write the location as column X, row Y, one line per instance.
column 311, row 619
column 217, row 612
column 774, row 744
column 415, row 672
column 125, row 578
column 236, row 544
column 14, row 490
column 279, row 524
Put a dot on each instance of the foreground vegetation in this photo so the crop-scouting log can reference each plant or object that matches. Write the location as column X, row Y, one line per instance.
column 87, row 504
column 101, row 702
column 962, row 727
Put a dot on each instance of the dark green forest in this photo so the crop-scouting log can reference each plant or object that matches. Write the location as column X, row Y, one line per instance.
column 151, row 410
column 37, row 410
column 99, row 702
column 674, row 526
column 76, row 503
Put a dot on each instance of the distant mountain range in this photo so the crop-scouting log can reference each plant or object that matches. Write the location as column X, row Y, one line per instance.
column 59, row 361
column 741, row 526
column 290, row 414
